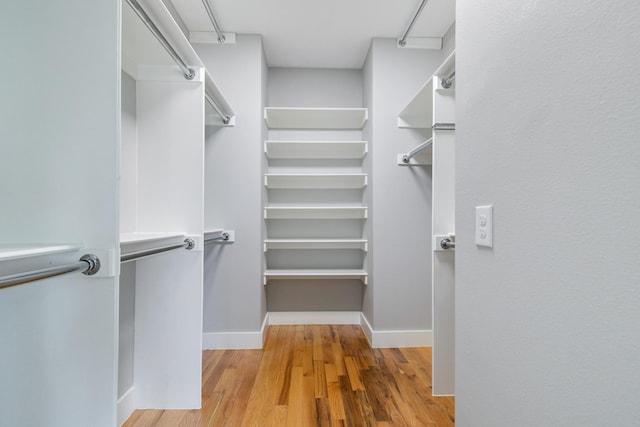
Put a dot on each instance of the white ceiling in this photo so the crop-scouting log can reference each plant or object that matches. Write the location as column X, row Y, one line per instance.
column 319, row 33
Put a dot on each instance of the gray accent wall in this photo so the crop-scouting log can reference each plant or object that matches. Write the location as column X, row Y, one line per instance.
column 399, row 294
column 548, row 321
column 233, row 290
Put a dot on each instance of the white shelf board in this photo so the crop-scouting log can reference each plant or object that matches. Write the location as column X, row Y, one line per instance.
column 143, row 57
column 315, row 149
column 315, row 274
column 136, row 242
column 419, row 111
column 315, row 181
column 15, row 251
column 213, row 233
column 315, row 212
column 270, row 244
column 315, row 118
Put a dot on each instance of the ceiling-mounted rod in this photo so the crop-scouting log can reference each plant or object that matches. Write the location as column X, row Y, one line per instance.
column 214, row 22
column 189, row 73
column 420, row 148
column 448, row 81
column 403, row 39
column 225, row 117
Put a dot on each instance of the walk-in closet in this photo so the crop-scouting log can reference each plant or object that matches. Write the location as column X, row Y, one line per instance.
column 292, row 213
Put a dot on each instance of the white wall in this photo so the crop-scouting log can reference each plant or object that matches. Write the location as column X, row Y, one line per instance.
column 399, row 294
column 233, row 290
column 547, row 322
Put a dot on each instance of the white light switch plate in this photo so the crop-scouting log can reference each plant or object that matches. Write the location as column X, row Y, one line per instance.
column 484, row 226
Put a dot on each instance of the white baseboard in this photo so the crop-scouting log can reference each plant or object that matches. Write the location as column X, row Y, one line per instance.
column 235, row 340
column 396, row 339
column 255, row 340
column 126, row 405
column 314, row 318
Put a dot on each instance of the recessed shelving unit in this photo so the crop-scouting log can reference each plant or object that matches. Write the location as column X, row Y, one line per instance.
column 315, row 118
column 315, row 181
column 314, row 211
column 289, row 244
column 315, row 149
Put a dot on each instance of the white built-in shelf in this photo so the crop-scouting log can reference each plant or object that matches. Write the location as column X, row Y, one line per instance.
column 144, row 58
column 315, row 274
column 213, row 233
column 298, row 212
column 419, row 111
column 315, row 118
column 11, row 252
column 315, row 181
column 137, row 242
column 315, row 149
column 294, row 244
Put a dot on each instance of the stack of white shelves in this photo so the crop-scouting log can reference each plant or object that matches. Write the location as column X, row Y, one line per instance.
column 323, row 155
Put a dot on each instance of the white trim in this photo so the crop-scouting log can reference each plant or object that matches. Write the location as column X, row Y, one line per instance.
column 314, row 318
column 235, row 340
column 126, row 405
column 396, row 339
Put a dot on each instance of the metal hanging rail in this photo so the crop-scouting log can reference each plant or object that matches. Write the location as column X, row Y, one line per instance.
column 189, row 73
column 225, row 117
column 444, row 126
column 89, row 264
column 214, row 22
column 224, row 237
column 420, row 148
column 403, row 39
column 188, row 245
column 448, row 81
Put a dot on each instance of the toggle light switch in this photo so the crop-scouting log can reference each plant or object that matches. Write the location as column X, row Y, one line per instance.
column 484, row 226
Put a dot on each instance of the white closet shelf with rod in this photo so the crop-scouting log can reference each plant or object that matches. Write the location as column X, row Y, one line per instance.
column 318, row 150
column 134, row 246
column 140, row 59
column 418, row 113
column 218, row 235
column 88, row 264
column 319, row 274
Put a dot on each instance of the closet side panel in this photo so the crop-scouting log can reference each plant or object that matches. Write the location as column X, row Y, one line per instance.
column 58, row 167
column 233, row 291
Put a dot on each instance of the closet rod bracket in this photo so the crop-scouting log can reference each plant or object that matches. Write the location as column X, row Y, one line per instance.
column 93, row 262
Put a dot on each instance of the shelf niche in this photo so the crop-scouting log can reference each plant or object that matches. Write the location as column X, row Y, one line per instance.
column 315, row 118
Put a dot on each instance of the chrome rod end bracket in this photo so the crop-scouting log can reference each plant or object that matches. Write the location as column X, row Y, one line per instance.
column 189, row 244
column 190, row 74
column 93, row 264
column 405, row 159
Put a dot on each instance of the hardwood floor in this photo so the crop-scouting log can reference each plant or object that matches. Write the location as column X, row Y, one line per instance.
column 312, row 376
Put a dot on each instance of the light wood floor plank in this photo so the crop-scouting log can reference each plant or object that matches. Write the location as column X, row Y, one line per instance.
column 313, row 376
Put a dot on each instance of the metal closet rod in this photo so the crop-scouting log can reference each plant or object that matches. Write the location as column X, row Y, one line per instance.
column 420, row 148
column 188, row 244
column 403, row 39
column 225, row 117
column 448, row 81
column 224, row 237
column 189, row 73
column 214, row 22
column 89, row 264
